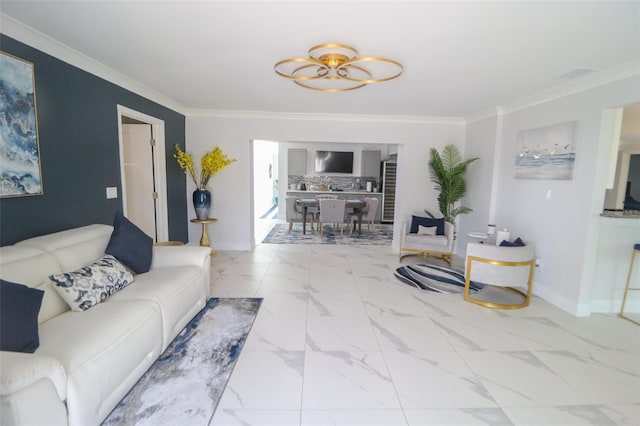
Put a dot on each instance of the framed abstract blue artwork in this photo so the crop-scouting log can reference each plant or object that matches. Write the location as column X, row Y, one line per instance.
column 20, row 171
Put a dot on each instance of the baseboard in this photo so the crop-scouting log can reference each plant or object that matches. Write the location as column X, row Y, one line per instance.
column 560, row 301
column 226, row 247
column 602, row 306
column 613, row 306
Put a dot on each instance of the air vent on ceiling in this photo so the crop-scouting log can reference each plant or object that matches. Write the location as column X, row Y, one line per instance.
column 578, row 72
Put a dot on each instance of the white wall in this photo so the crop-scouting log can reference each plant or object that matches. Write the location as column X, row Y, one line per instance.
column 567, row 228
column 232, row 197
column 481, row 143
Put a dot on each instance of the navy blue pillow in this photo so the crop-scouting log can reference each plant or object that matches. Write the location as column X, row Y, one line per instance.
column 428, row 222
column 130, row 245
column 516, row 243
column 19, row 308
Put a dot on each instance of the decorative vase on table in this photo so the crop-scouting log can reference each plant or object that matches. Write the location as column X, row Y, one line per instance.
column 202, row 203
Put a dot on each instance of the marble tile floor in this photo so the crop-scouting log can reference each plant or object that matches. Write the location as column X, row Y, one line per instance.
column 339, row 341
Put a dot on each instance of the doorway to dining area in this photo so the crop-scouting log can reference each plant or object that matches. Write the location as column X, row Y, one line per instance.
column 289, row 168
column 265, row 187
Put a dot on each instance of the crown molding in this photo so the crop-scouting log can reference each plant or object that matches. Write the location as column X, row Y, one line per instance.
column 586, row 82
column 590, row 81
column 32, row 37
column 485, row 114
column 366, row 118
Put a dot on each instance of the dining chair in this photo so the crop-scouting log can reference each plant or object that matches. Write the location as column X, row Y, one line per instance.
column 316, row 210
column 332, row 211
column 294, row 212
column 368, row 213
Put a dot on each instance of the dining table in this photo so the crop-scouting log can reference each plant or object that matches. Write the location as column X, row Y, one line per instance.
column 356, row 204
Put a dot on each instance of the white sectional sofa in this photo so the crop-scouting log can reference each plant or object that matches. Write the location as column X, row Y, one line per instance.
column 87, row 361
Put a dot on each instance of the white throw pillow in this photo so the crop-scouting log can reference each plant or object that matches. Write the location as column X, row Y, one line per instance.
column 427, row 230
column 88, row 286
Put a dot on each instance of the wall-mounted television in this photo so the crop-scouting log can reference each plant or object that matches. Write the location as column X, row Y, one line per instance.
column 334, row 162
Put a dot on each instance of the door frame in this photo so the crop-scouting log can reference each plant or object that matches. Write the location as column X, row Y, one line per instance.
column 159, row 164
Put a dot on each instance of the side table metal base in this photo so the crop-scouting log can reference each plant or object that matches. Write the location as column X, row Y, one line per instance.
column 204, row 240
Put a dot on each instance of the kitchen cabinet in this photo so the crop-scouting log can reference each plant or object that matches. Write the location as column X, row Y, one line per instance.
column 297, row 161
column 370, row 163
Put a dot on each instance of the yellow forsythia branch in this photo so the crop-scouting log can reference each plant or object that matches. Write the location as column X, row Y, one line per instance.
column 211, row 163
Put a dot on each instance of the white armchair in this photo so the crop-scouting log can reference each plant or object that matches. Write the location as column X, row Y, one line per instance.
column 434, row 246
column 509, row 268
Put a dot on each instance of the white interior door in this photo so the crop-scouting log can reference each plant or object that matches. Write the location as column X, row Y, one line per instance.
column 139, row 177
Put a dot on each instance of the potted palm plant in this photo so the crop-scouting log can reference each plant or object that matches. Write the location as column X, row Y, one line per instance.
column 447, row 172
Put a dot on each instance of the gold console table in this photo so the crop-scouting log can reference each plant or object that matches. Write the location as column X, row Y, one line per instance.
column 204, row 240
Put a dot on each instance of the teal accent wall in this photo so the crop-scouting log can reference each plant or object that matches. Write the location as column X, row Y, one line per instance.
column 79, row 153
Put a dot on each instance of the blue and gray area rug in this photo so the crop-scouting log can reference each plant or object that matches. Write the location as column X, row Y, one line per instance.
column 380, row 234
column 184, row 385
column 434, row 278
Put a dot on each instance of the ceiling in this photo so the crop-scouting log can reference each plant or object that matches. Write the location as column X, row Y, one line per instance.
column 460, row 57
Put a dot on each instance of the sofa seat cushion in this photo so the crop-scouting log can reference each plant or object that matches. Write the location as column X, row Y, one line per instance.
column 430, row 241
column 104, row 351
column 178, row 291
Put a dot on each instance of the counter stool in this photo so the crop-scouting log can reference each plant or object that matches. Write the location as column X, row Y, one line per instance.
column 636, row 250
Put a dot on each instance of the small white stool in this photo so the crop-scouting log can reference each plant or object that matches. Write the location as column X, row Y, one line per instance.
column 636, row 250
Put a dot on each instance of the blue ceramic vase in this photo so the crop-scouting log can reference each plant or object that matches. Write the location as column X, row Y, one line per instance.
column 202, row 203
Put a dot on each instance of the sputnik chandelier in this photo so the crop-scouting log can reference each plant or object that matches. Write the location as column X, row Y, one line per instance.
column 334, row 67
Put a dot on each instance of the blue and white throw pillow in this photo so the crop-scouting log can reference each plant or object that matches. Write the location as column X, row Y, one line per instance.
column 88, row 286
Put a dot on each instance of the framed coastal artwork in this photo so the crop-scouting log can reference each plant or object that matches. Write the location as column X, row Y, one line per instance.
column 547, row 152
column 20, row 171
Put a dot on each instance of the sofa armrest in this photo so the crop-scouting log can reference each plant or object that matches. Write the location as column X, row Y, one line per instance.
column 20, row 370
column 165, row 256
column 32, row 390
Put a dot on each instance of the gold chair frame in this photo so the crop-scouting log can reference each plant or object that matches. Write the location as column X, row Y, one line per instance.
column 526, row 296
column 445, row 256
column 627, row 289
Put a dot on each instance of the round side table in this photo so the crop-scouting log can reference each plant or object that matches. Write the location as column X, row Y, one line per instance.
column 204, row 240
column 479, row 237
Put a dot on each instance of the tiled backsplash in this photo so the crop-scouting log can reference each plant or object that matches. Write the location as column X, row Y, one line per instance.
column 324, row 183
